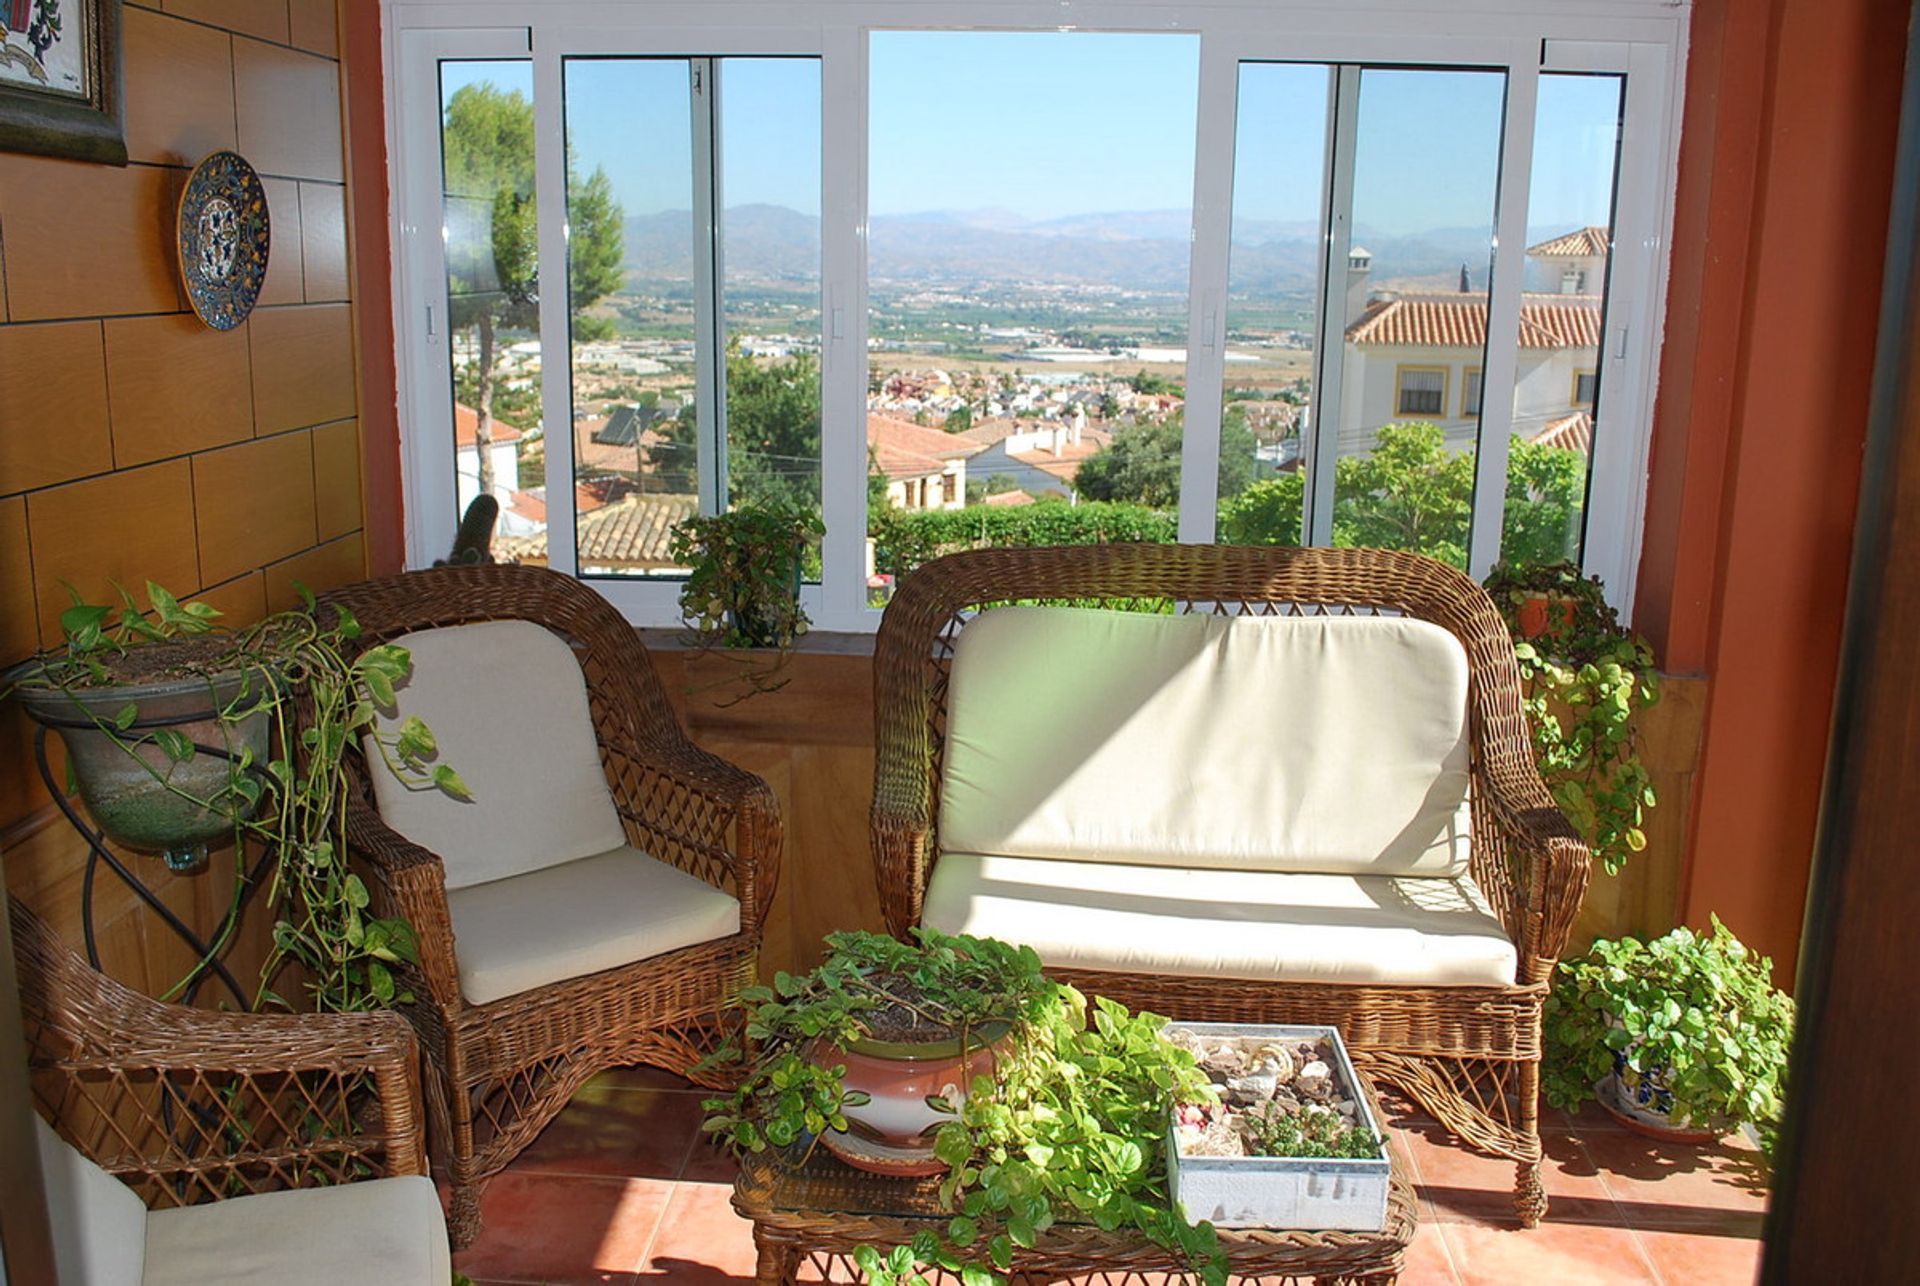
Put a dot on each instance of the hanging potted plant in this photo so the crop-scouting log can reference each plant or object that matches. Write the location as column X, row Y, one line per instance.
column 1584, row 678
column 1682, row 1038
column 180, row 734
column 743, row 580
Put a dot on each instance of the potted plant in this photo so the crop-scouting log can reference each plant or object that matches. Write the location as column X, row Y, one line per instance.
column 1072, row 1117
column 743, row 579
column 1683, row 1038
column 180, row 732
column 1584, row 678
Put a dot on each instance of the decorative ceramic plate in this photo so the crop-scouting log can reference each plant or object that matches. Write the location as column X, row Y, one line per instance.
column 223, row 235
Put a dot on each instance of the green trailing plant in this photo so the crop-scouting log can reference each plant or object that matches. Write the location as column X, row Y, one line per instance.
column 743, row 582
column 1584, row 677
column 1696, row 1013
column 298, row 670
column 1071, row 1124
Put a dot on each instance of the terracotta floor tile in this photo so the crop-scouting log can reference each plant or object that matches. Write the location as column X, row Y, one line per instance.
column 1428, row 1261
column 1717, row 1189
column 644, row 1078
column 643, row 1134
column 1699, row 1260
column 1460, row 1184
column 701, row 1241
column 564, row 1229
column 1552, row 1253
column 708, row 1164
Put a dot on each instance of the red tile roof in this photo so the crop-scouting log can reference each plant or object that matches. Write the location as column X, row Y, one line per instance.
column 631, row 532
column 1004, row 499
column 907, row 450
column 1569, row 433
column 1581, row 244
column 466, row 425
column 1460, row 321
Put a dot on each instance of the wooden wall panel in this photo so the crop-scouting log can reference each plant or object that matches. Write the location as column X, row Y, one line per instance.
column 19, row 615
column 176, row 386
column 53, row 405
column 131, row 527
column 255, row 503
column 323, row 241
column 87, row 240
column 285, row 268
column 302, row 366
column 289, row 108
column 179, row 79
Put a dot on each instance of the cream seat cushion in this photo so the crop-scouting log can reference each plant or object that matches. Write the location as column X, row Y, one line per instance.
column 380, row 1230
column 1323, row 743
column 507, row 704
column 1429, row 931
column 578, row 918
column 99, row 1227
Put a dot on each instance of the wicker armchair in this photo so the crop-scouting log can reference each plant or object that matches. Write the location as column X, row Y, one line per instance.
column 199, row 1114
column 1468, row 1054
column 503, row 1056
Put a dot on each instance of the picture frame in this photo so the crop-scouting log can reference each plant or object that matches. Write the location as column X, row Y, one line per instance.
column 61, row 84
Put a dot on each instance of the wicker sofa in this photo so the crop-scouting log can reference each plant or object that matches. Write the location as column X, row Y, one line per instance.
column 195, row 1147
column 1296, row 787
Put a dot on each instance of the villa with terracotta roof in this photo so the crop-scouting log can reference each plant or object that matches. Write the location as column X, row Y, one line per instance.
column 925, row 468
column 1420, row 355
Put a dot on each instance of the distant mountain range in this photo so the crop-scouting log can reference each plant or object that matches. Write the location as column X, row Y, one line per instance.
column 1136, row 249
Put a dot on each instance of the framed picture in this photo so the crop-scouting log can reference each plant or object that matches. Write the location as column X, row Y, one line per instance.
column 60, row 91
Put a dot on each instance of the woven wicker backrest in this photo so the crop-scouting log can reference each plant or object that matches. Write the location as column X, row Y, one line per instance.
column 913, row 652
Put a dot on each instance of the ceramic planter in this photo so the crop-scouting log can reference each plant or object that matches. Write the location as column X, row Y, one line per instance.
column 1641, row 1102
column 1543, row 613
column 1308, row 1194
column 892, row 1133
column 139, row 799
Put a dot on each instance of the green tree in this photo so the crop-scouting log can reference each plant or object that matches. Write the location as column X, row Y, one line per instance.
column 773, row 431
column 1409, row 492
column 1142, row 464
column 487, row 143
column 960, row 419
column 1546, row 493
column 1267, row 513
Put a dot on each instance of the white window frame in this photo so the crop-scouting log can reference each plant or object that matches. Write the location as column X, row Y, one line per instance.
column 1643, row 39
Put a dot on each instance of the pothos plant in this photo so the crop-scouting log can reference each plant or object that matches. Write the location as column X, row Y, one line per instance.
column 743, row 580
column 297, row 671
column 1696, row 1014
column 1584, row 678
column 1070, row 1124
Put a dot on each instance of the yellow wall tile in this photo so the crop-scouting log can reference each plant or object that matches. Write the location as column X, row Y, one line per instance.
column 264, row 18
column 289, row 106
column 336, row 477
column 323, row 238
column 88, row 240
column 336, row 563
column 176, row 386
column 179, row 78
column 240, row 602
column 284, row 269
column 132, row 527
column 19, row 620
column 255, row 503
column 53, row 405
column 313, row 26
column 302, row 366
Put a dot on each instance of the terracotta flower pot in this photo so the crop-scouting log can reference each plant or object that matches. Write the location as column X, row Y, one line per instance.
column 892, row 1133
column 1543, row 613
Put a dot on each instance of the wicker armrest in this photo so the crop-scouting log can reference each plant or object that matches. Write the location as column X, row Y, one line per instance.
column 191, row 1103
column 410, row 882
column 702, row 814
column 1552, row 864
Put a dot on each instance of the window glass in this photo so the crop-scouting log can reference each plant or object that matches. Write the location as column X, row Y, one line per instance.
column 1470, row 394
column 489, row 229
column 1557, row 388
column 1028, row 241
column 1426, row 163
column 1279, row 202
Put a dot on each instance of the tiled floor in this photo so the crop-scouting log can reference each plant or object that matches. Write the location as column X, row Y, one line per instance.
column 622, row 1189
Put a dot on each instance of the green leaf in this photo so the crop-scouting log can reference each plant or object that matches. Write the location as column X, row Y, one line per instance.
column 123, row 717
column 356, row 891
column 174, row 744
column 83, row 618
column 449, row 781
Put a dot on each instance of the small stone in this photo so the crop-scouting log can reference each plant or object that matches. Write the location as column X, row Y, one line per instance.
column 1345, row 1107
column 1251, row 1089
column 1315, row 1080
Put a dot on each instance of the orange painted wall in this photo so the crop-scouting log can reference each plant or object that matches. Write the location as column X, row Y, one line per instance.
column 1786, row 171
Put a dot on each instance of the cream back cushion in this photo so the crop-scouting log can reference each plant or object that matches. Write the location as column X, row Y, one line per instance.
column 508, row 706
column 99, row 1227
column 1329, row 744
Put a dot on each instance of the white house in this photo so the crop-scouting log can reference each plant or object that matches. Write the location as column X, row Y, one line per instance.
column 504, row 452
column 925, row 468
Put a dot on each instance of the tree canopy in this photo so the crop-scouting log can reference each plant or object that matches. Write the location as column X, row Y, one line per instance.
column 1142, row 464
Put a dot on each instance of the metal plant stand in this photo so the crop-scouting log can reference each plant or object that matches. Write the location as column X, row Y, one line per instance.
column 98, row 852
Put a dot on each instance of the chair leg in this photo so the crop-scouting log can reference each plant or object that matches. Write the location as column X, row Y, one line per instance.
column 1529, row 1198
column 463, row 1220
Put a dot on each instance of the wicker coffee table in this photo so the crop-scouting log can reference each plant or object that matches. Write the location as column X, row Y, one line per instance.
column 819, row 1213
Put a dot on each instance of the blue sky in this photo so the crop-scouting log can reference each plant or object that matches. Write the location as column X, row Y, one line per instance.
column 1053, row 124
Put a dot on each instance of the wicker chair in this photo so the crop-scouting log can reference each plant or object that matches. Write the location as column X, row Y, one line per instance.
column 1468, row 1054
column 264, row 1144
column 506, row 1051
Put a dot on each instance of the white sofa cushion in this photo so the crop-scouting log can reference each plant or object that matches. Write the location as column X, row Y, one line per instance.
column 576, row 919
column 1428, row 931
column 99, row 1226
column 380, row 1230
column 1335, row 744
column 507, row 704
